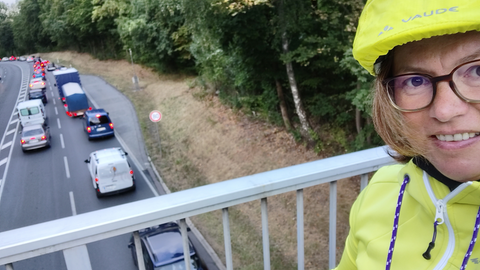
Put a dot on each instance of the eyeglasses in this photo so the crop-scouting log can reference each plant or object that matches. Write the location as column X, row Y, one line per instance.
column 414, row 92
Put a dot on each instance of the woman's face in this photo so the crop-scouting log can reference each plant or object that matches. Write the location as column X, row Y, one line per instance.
column 448, row 115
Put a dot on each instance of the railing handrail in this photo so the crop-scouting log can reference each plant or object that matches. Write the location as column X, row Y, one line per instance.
column 60, row 234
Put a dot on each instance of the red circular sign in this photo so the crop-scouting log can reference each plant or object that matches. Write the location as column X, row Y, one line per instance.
column 155, row 116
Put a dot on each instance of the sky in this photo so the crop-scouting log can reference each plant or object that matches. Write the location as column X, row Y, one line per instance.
column 8, row 2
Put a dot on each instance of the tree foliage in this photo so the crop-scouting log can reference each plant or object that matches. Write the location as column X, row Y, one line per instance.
column 233, row 46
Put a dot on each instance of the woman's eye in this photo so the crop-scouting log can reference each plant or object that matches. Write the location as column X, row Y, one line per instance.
column 416, row 81
column 473, row 71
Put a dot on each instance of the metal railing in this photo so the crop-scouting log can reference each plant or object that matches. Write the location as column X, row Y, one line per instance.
column 71, row 233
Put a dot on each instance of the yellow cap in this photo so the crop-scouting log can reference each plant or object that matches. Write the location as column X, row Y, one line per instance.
column 385, row 24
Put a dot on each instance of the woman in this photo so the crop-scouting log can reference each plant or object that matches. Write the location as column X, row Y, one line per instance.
column 425, row 213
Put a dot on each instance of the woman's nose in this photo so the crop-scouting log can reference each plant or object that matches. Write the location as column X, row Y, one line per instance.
column 447, row 105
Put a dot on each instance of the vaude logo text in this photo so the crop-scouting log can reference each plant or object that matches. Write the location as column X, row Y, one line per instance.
column 431, row 13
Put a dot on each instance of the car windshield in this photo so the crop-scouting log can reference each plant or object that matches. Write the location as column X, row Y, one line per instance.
column 29, row 111
column 33, row 132
column 103, row 119
column 36, row 94
column 113, row 169
column 180, row 265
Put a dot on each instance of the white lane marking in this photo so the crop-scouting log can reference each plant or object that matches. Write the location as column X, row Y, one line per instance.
column 58, row 122
column 61, row 140
column 10, row 132
column 66, row 166
column 72, row 203
column 54, row 102
column 6, row 145
column 52, row 95
column 3, row 161
column 13, row 121
column 56, row 111
column 7, row 160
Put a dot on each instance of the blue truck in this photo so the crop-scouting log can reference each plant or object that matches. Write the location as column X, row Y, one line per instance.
column 63, row 76
column 76, row 102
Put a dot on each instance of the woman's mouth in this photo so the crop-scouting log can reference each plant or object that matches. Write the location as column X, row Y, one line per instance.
column 456, row 137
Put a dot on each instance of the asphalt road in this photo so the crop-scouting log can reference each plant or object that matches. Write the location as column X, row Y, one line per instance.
column 48, row 184
column 53, row 183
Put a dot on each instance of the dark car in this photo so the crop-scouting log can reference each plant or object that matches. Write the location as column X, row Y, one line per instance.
column 162, row 248
column 97, row 124
column 38, row 94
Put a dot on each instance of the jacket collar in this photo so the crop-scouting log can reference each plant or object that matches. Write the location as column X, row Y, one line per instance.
column 418, row 188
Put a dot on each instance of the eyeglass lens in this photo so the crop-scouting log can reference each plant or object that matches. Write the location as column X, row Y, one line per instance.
column 412, row 92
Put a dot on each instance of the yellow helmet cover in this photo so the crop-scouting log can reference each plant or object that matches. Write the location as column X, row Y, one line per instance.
column 385, row 24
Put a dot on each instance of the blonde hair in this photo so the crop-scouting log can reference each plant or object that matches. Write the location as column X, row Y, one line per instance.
column 390, row 122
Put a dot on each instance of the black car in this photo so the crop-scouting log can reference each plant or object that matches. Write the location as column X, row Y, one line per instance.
column 162, row 248
column 38, row 94
column 97, row 124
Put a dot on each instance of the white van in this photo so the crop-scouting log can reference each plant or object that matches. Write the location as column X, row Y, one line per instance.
column 110, row 171
column 32, row 112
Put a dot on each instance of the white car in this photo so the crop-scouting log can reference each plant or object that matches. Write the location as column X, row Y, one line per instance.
column 37, row 83
column 110, row 171
column 51, row 67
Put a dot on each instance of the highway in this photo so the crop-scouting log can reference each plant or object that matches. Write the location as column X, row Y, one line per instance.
column 53, row 183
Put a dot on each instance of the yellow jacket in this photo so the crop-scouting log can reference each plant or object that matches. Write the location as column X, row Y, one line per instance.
column 372, row 218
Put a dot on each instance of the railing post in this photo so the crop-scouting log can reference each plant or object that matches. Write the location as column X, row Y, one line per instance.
column 77, row 258
column 138, row 251
column 227, row 239
column 363, row 181
column 186, row 243
column 9, row 266
column 332, row 233
column 300, row 231
column 265, row 236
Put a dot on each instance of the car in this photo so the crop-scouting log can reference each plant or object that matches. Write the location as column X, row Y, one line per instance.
column 39, row 64
column 162, row 248
column 51, row 67
column 37, row 83
column 110, row 171
column 38, row 94
column 4, row 59
column 13, row 58
column 38, row 74
column 30, row 59
column 22, row 58
column 97, row 124
column 35, row 136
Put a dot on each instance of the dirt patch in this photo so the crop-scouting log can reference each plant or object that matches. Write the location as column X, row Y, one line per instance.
column 203, row 142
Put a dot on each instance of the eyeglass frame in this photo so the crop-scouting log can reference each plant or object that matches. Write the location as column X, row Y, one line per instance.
column 434, row 80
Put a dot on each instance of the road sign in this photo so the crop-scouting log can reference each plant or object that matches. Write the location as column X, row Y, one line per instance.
column 155, row 116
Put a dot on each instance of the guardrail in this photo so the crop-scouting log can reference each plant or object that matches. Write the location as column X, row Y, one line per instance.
column 71, row 233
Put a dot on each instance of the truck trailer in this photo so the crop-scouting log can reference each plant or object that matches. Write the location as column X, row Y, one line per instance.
column 69, row 75
column 76, row 102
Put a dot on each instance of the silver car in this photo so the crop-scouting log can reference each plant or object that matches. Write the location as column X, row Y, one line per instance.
column 35, row 136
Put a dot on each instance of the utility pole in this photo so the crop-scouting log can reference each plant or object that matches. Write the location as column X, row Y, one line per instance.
column 135, row 78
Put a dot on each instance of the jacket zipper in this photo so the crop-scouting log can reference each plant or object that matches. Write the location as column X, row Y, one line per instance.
column 441, row 216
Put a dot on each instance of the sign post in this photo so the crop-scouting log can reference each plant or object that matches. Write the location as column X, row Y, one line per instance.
column 155, row 116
